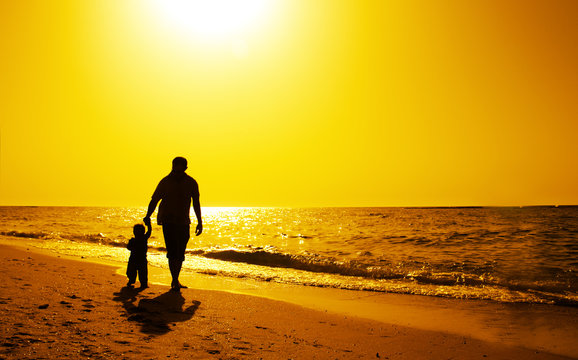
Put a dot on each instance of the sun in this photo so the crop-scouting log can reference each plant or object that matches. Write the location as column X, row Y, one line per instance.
column 212, row 19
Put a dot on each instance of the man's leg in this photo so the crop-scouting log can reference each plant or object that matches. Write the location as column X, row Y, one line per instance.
column 175, row 271
column 171, row 235
column 184, row 235
column 176, row 239
column 178, row 266
column 168, row 233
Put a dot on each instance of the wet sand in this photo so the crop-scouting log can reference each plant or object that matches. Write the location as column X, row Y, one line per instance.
column 56, row 307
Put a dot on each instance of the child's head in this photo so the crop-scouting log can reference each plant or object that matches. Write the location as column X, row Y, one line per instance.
column 138, row 230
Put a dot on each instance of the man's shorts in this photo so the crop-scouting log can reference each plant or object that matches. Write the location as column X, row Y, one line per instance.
column 176, row 239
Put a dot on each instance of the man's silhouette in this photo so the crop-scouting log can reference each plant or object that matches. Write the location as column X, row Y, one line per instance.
column 176, row 191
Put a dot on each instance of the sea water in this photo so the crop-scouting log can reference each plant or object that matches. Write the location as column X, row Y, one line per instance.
column 506, row 254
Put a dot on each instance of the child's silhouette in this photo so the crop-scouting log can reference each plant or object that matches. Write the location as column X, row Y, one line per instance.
column 137, row 263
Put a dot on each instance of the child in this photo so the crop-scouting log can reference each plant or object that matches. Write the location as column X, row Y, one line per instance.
column 137, row 263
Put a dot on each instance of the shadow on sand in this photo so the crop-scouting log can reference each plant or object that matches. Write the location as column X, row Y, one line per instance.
column 155, row 314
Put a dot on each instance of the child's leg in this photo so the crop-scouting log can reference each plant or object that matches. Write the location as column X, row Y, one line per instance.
column 143, row 274
column 131, row 271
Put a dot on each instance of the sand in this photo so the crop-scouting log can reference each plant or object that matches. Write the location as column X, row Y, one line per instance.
column 54, row 307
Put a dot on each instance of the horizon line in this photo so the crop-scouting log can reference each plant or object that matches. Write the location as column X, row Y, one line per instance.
column 318, row 206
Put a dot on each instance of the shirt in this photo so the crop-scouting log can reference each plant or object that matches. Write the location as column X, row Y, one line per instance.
column 175, row 192
column 138, row 248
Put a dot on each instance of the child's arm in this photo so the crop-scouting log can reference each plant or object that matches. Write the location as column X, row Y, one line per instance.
column 130, row 245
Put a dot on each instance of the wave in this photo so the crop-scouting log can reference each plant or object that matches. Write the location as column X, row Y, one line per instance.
column 313, row 263
column 104, row 240
column 419, row 274
column 309, row 262
column 316, row 263
column 401, row 277
column 97, row 238
column 22, row 234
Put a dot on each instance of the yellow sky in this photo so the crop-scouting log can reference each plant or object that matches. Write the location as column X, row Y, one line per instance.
column 291, row 102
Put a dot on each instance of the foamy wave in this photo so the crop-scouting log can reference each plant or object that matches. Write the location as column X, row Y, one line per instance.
column 478, row 284
column 22, row 234
column 317, row 270
column 316, row 263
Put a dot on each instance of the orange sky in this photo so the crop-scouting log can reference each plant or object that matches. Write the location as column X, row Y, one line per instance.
column 290, row 103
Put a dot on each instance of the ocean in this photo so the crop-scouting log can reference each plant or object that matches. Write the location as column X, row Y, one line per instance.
column 504, row 254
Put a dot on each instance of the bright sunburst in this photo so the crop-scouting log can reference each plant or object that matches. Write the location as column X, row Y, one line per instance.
column 212, row 18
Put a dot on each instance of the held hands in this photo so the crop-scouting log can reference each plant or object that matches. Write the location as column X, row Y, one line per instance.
column 147, row 221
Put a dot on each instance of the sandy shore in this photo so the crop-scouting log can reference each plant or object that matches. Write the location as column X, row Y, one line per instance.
column 53, row 308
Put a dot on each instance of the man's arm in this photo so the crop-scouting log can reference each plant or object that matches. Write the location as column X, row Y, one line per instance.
column 147, row 222
column 157, row 195
column 151, row 210
column 197, row 208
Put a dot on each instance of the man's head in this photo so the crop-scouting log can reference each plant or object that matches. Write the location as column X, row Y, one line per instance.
column 179, row 164
column 138, row 230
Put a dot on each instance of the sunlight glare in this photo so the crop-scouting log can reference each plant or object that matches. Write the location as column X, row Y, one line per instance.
column 240, row 49
column 212, row 18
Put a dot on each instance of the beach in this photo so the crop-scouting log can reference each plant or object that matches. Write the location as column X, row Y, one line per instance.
column 509, row 255
column 54, row 306
column 327, row 179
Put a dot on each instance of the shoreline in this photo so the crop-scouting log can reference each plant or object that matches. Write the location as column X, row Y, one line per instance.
column 434, row 317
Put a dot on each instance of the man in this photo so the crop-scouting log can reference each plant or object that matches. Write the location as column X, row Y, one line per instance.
column 176, row 191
